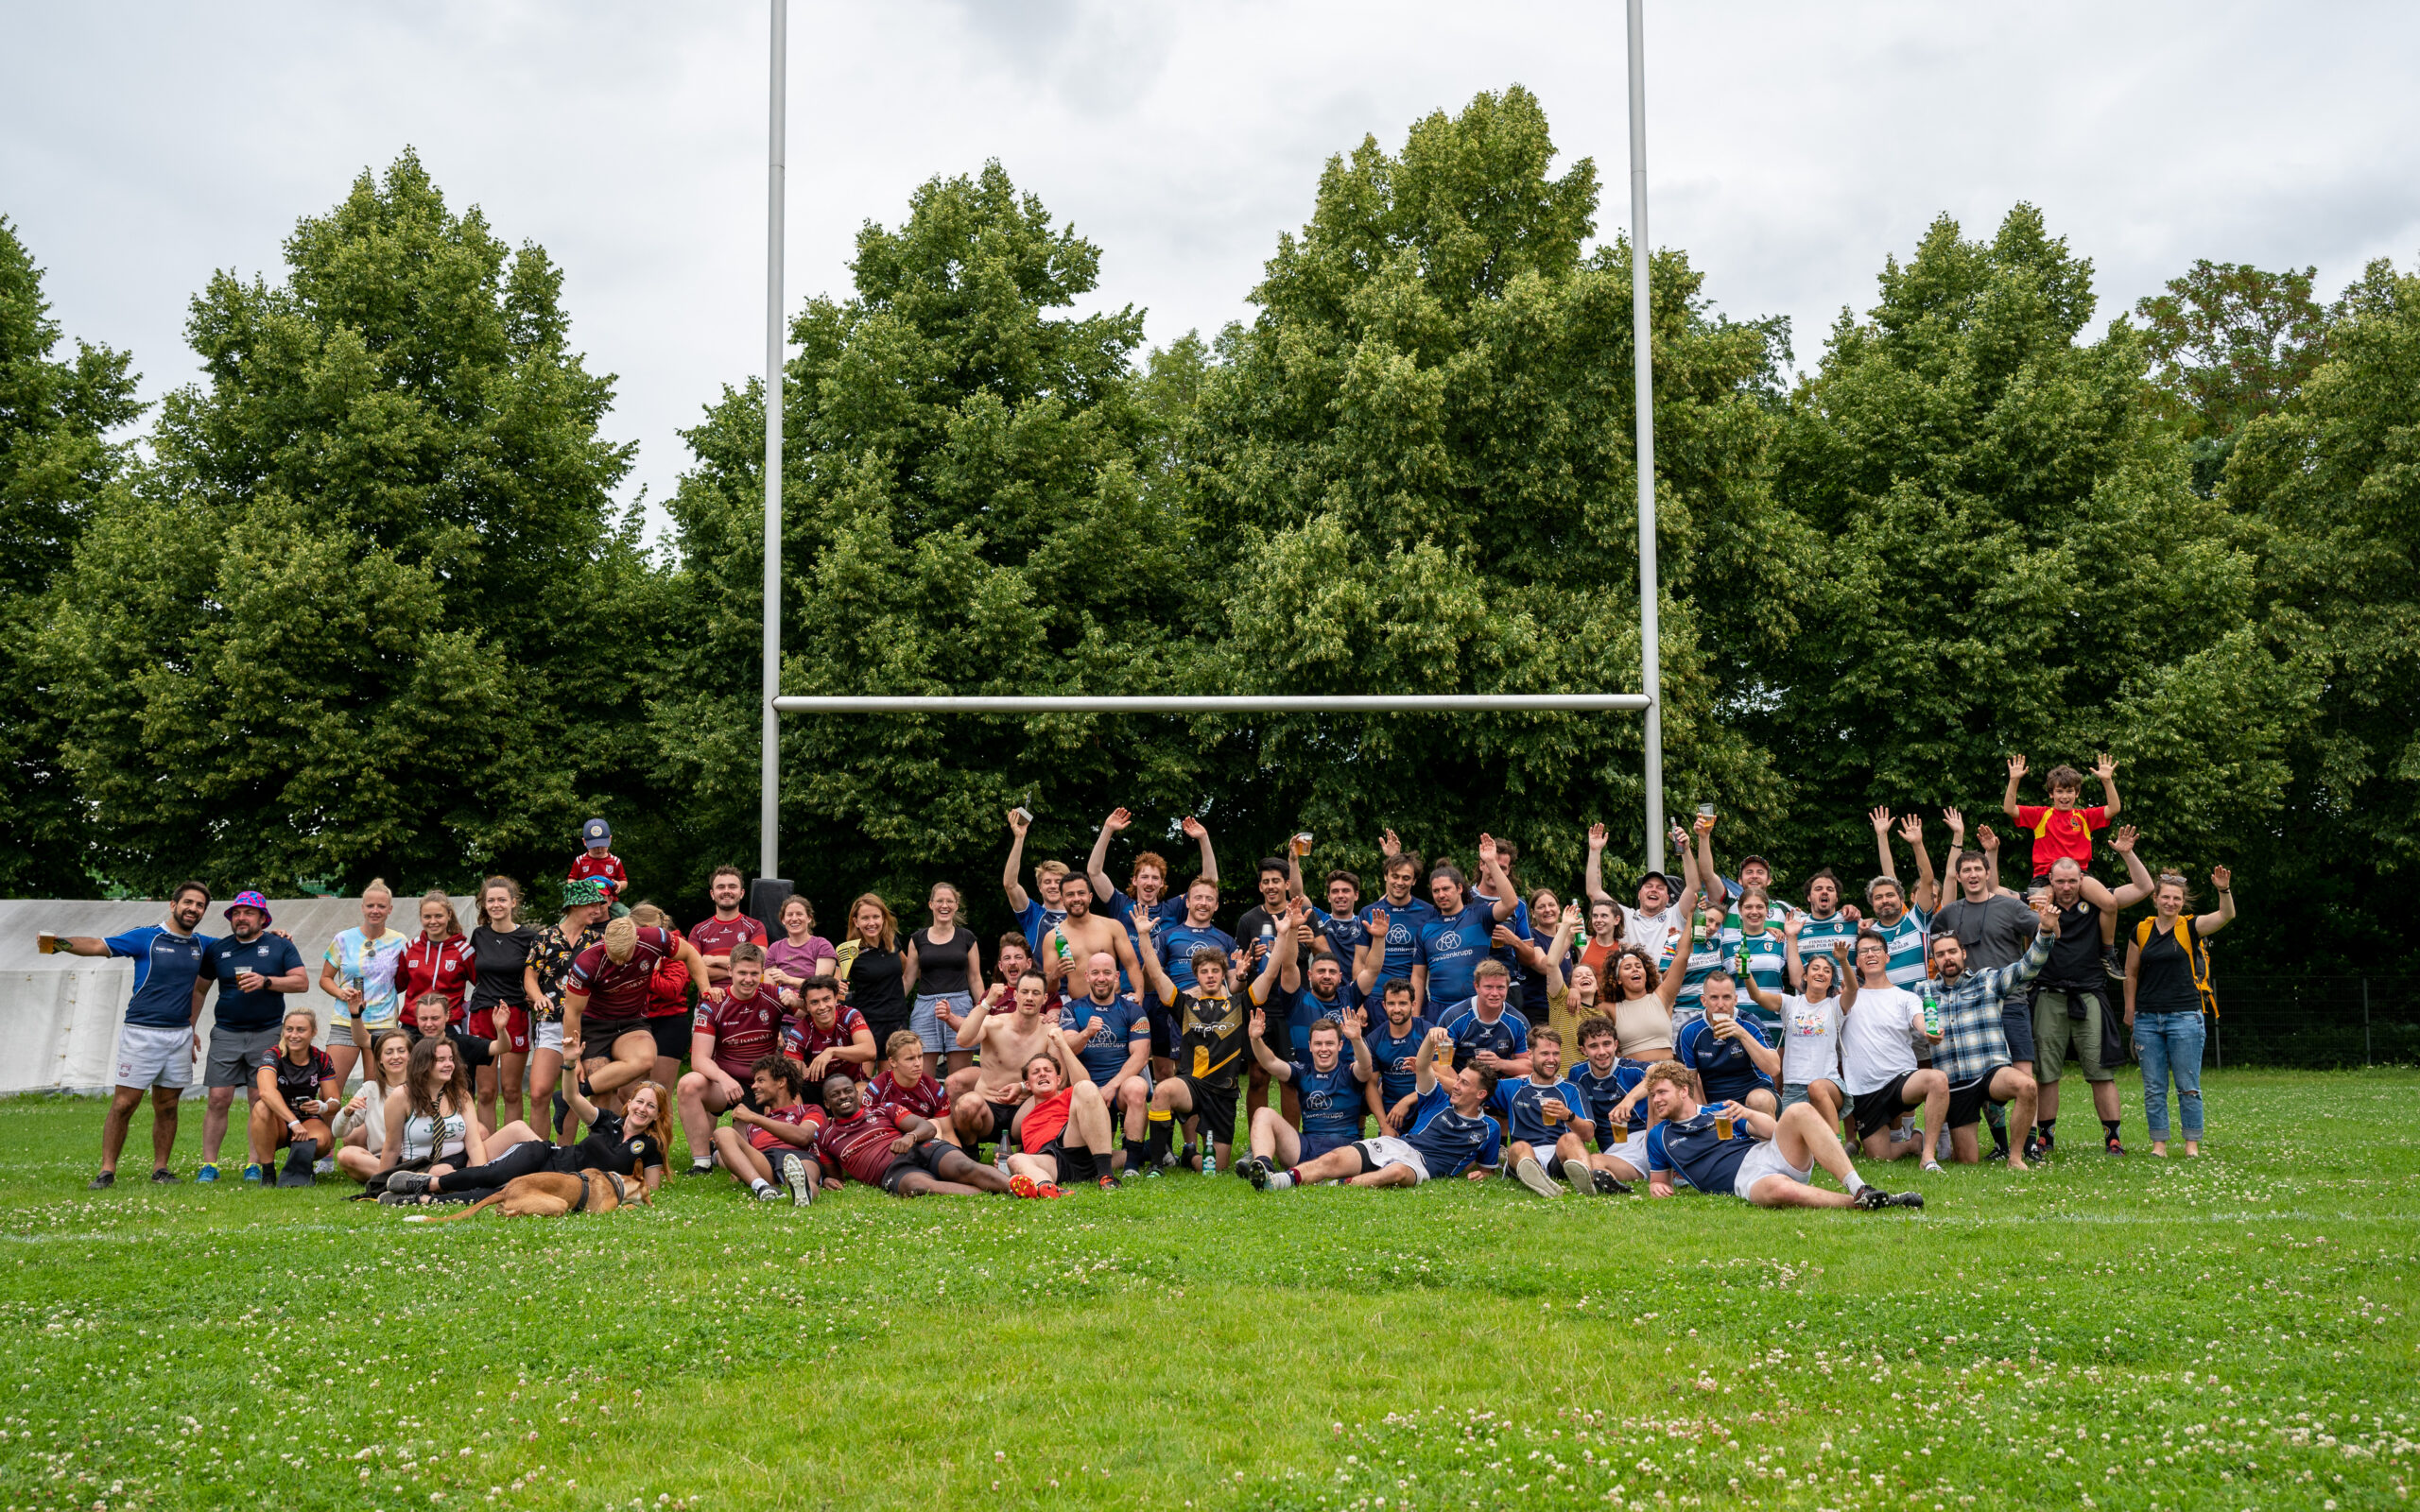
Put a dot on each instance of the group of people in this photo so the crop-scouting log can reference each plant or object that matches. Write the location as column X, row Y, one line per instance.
column 1707, row 1034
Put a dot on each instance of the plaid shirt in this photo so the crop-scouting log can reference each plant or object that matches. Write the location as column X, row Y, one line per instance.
column 1972, row 1045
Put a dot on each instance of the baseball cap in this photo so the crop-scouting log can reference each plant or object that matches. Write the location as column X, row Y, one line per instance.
column 595, row 832
column 1656, row 876
column 246, row 899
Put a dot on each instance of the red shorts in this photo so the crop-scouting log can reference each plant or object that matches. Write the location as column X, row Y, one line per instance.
column 515, row 1034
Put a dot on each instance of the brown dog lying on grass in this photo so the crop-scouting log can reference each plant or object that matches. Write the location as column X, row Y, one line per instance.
column 552, row 1194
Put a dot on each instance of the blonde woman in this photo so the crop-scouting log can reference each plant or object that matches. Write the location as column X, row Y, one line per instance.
column 874, row 968
column 362, row 971
column 360, row 1128
column 293, row 1098
column 945, row 972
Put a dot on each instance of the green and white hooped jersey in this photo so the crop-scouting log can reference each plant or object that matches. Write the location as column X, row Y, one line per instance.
column 1909, row 938
column 1816, row 937
column 1769, row 965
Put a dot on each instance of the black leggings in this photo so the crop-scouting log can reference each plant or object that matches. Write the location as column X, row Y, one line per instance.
column 525, row 1158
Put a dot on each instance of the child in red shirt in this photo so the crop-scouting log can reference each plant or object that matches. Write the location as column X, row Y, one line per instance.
column 2063, row 830
column 599, row 860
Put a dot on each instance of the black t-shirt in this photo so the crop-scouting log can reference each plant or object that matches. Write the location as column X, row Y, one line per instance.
column 941, row 970
column 2164, row 976
column 1248, row 937
column 296, row 1084
column 2075, row 965
column 605, row 1149
column 496, row 962
column 874, row 989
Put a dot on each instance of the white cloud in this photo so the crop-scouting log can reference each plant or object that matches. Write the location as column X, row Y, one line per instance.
column 1792, row 146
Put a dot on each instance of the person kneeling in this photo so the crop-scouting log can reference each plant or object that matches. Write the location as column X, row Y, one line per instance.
column 758, row 1148
column 1060, row 1100
column 892, row 1149
column 1451, row 1134
column 1330, row 1092
column 1749, row 1153
column 293, row 1098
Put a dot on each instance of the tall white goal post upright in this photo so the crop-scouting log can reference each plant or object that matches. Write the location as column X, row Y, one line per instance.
column 769, row 888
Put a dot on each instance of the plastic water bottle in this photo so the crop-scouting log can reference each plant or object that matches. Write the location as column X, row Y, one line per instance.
column 1268, row 939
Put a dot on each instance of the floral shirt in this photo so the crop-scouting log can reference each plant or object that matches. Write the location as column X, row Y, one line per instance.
column 553, row 955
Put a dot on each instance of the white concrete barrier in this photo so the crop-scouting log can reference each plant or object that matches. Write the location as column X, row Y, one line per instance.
column 59, row 1014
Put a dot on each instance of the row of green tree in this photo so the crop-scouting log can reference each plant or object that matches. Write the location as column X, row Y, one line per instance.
column 360, row 601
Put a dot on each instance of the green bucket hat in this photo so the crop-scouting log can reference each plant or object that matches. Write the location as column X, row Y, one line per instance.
column 584, row 890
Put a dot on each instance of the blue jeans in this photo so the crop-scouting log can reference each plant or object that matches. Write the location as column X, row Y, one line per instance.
column 2171, row 1045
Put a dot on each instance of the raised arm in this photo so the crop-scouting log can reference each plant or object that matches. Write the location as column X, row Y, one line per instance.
column 1266, row 982
column 1928, row 888
column 1009, row 883
column 1096, row 865
column 1266, row 1058
column 1148, row 959
column 1491, row 871
column 2016, row 774
column 1200, row 835
column 1881, row 820
column 1371, row 955
column 970, row 1034
column 2211, row 923
column 1794, row 971
column 697, row 964
column 1365, row 1067
column 1594, row 878
column 2106, row 770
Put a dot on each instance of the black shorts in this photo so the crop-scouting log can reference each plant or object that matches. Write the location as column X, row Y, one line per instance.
column 1004, row 1119
column 2016, row 1026
column 1076, row 1162
column 671, row 1031
column 1163, row 1040
column 1215, row 1108
column 1879, row 1109
column 596, row 1036
column 926, row 1158
column 1966, row 1102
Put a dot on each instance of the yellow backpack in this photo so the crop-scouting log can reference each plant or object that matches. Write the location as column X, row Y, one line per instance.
column 2197, row 952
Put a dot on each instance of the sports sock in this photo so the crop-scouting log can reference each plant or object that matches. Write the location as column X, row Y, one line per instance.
column 1162, row 1130
column 1287, row 1178
column 2111, row 1126
column 2042, row 1126
column 760, row 1186
column 1855, row 1182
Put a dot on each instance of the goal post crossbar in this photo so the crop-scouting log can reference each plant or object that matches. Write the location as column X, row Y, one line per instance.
column 849, row 703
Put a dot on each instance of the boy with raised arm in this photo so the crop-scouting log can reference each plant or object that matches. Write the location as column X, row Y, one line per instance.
column 1451, row 1134
column 1207, row 1027
column 1651, row 924
column 2063, row 830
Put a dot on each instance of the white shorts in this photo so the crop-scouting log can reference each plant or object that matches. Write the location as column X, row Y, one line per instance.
column 1387, row 1150
column 1631, row 1151
column 1764, row 1160
column 548, row 1035
column 151, row 1057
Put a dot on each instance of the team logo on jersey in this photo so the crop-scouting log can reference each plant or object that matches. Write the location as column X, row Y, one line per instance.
column 1450, row 940
column 1399, row 934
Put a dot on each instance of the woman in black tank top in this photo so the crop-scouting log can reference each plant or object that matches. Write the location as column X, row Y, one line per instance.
column 945, row 972
column 2163, row 1002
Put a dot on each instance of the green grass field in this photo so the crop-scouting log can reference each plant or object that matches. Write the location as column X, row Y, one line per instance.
column 2233, row 1333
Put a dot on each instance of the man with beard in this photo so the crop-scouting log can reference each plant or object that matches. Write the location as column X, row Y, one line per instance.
column 1331, row 1091
column 156, row 1045
column 2071, row 997
column 1974, row 1050
column 254, row 970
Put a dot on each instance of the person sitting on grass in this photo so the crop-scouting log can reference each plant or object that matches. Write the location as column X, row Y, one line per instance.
column 1483, row 1028
column 904, row 1082
column 827, row 1038
column 621, row 1143
column 1881, row 1024
column 1609, row 1083
column 1732, row 1059
column 1546, row 1112
column 984, row 1098
column 1810, row 1025
column 728, row 1037
column 360, row 1126
column 1761, row 1159
column 1113, row 1036
column 1332, row 1092
column 892, row 1149
column 1060, row 1101
column 1394, row 1043
column 293, row 1098
column 1209, row 1027
column 1451, row 1134
column 768, row 1137
column 431, row 1124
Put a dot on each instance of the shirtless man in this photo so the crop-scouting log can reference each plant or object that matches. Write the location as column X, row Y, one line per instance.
column 983, row 1105
column 1083, row 935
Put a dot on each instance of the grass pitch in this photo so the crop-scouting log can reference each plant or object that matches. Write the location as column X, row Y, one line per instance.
column 2233, row 1333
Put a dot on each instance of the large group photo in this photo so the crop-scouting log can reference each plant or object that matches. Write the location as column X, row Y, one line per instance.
column 1062, row 755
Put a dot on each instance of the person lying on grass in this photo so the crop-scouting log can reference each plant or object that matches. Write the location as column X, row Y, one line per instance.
column 631, row 1140
column 771, row 1135
column 1451, row 1134
column 1751, row 1154
column 894, row 1149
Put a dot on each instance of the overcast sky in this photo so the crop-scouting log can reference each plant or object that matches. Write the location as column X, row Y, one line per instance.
column 1792, row 145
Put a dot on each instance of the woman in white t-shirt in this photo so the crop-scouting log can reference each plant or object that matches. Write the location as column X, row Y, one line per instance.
column 361, row 1124
column 1809, row 1025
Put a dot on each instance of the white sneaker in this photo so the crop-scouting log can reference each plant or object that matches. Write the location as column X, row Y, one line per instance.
column 1532, row 1175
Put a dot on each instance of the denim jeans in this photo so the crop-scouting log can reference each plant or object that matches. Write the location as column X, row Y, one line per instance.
column 2171, row 1045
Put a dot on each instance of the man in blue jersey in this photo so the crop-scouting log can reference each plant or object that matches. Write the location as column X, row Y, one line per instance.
column 1033, row 915
column 1394, row 1049
column 1330, row 1087
column 1147, row 882
column 1730, row 1055
column 1326, row 995
column 1394, row 922
column 1451, row 945
column 1545, row 1111
column 1608, row 1082
column 1484, row 1029
column 254, row 970
column 156, row 1045
column 1759, row 1159
column 1111, row 1036
column 1340, row 929
column 1451, row 1135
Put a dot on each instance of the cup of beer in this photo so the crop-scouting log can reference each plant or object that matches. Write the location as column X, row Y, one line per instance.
column 46, row 943
column 1722, row 1125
